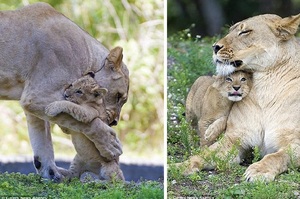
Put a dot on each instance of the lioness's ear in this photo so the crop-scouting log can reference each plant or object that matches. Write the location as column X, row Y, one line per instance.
column 287, row 27
column 115, row 56
column 99, row 92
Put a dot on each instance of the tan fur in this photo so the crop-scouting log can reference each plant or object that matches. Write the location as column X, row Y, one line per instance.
column 85, row 103
column 84, row 92
column 209, row 102
column 42, row 51
column 89, row 159
column 269, row 117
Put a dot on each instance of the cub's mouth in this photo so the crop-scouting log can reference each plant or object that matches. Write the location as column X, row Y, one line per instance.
column 235, row 94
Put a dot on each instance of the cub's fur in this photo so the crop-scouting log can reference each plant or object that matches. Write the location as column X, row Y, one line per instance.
column 84, row 100
column 85, row 103
column 209, row 102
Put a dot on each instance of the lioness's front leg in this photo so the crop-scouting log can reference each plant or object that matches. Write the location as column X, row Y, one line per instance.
column 269, row 167
column 103, row 136
column 220, row 149
column 76, row 111
column 40, row 138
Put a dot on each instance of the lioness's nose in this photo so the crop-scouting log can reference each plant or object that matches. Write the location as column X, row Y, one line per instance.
column 114, row 123
column 236, row 88
column 216, row 48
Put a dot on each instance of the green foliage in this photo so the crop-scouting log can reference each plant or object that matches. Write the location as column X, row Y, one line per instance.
column 256, row 154
column 221, row 163
column 137, row 26
column 189, row 58
column 18, row 185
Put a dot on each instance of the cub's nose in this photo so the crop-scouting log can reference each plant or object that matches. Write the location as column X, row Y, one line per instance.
column 236, row 88
column 216, row 48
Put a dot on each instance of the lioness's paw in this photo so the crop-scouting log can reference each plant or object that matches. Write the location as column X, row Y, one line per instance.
column 186, row 168
column 259, row 172
column 83, row 118
column 52, row 110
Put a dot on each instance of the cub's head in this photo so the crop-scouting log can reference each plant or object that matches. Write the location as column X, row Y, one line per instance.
column 257, row 44
column 85, row 90
column 235, row 86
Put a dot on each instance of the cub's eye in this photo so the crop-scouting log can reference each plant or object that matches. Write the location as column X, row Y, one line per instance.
column 244, row 32
column 228, row 79
column 243, row 79
column 78, row 92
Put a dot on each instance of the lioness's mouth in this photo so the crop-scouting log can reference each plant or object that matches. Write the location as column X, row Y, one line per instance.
column 236, row 63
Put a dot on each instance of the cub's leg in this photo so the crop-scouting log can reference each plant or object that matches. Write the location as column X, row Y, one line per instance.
column 78, row 112
column 89, row 159
column 40, row 138
column 215, row 129
column 221, row 149
column 111, row 170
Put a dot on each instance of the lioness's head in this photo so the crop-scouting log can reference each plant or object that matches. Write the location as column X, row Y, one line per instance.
column 85, row 90
column 235, row 86
column 115, row 77
column 256, row 44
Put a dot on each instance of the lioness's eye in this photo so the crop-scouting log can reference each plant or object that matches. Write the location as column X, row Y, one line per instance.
column 244, row 32
column 119, row 96
column 228, row 79
column 243, row 79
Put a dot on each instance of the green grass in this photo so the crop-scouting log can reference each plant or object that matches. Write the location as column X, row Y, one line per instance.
column 189, row 58
column 19, row 185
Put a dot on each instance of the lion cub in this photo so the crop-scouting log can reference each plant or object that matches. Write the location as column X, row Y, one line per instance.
column 210, row 100
column 85, row 103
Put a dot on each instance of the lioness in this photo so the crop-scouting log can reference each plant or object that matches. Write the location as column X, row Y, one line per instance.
column 209, row 102
column 85, row 103
column 42, row 51
column 269, row 117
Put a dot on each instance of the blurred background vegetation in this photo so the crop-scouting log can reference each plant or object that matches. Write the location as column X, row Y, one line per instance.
column 210, row 16
column 137, row 26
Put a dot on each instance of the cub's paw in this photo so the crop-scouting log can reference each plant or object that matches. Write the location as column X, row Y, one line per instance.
column 207, row 134
column 110, row 171
column 52, row 110
column 259, row 172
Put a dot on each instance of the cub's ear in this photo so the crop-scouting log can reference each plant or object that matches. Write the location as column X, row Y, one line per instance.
column 90, row 73
column 287, row 27
column 115, row 56
column 99, row 92
column 219, row 80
